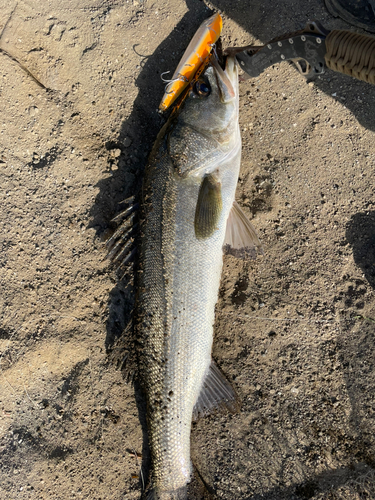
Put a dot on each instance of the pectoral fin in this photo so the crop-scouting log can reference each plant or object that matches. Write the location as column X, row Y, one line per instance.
column 209, row 206
column 241, row 239
column 216, row 391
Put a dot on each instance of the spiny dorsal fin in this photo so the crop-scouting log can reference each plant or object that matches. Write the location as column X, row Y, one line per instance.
column 216, row 391
column 241, row 239
column 120, row 245
column 209, row 206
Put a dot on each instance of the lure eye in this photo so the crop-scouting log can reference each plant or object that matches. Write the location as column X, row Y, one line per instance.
column 202, row 88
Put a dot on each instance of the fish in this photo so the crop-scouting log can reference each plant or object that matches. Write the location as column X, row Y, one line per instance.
column 188, row 218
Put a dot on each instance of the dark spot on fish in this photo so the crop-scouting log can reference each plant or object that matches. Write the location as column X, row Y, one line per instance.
column 170, row 393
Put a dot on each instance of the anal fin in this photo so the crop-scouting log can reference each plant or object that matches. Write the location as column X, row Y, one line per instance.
column 216, row 392
column 241, row 239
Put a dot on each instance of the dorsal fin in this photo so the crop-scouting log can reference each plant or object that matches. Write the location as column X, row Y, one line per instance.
column 241, row 239
column 121, row 248
column 216, row 391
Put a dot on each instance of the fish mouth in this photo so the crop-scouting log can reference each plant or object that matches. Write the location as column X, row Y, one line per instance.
column 226, row 75
column 226, row 72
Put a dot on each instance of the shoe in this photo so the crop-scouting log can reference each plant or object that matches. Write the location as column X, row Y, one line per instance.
column 357, row 12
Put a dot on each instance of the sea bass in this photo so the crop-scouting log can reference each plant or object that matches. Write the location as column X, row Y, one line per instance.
column 188, row 217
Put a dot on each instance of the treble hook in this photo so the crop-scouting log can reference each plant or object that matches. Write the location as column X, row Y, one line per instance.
column 180, row 78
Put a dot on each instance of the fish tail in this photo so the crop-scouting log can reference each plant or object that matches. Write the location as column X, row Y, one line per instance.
column 196, row 488
column 180, row 494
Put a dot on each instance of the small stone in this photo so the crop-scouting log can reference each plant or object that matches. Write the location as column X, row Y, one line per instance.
column 33, row 110
column 127, row 142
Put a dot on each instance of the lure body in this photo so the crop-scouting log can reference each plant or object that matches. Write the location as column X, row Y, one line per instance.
column 194, row 56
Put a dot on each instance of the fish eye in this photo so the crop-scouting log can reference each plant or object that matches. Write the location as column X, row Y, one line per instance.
column 202, row 88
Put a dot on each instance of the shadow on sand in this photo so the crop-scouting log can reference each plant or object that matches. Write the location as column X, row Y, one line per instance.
column 360, row 233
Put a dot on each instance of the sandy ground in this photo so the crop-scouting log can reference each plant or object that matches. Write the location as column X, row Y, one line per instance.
column 294, row 330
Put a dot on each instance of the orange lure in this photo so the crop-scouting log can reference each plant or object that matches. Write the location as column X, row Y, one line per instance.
column 195, row 55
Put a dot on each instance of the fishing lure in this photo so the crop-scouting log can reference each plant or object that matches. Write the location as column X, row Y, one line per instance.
column 194, row 57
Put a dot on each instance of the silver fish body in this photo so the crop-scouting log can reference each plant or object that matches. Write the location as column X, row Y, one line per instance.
column 179, row 272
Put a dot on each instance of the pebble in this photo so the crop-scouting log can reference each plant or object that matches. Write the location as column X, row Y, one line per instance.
column 33, row 110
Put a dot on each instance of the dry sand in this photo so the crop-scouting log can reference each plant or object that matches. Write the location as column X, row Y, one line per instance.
column 294, row 330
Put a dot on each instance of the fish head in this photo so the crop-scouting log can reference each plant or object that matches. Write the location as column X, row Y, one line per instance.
column 212, row 105
column 206, row 127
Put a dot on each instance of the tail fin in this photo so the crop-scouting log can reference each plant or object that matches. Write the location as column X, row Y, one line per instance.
column 196, row 489
column 180, row 494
